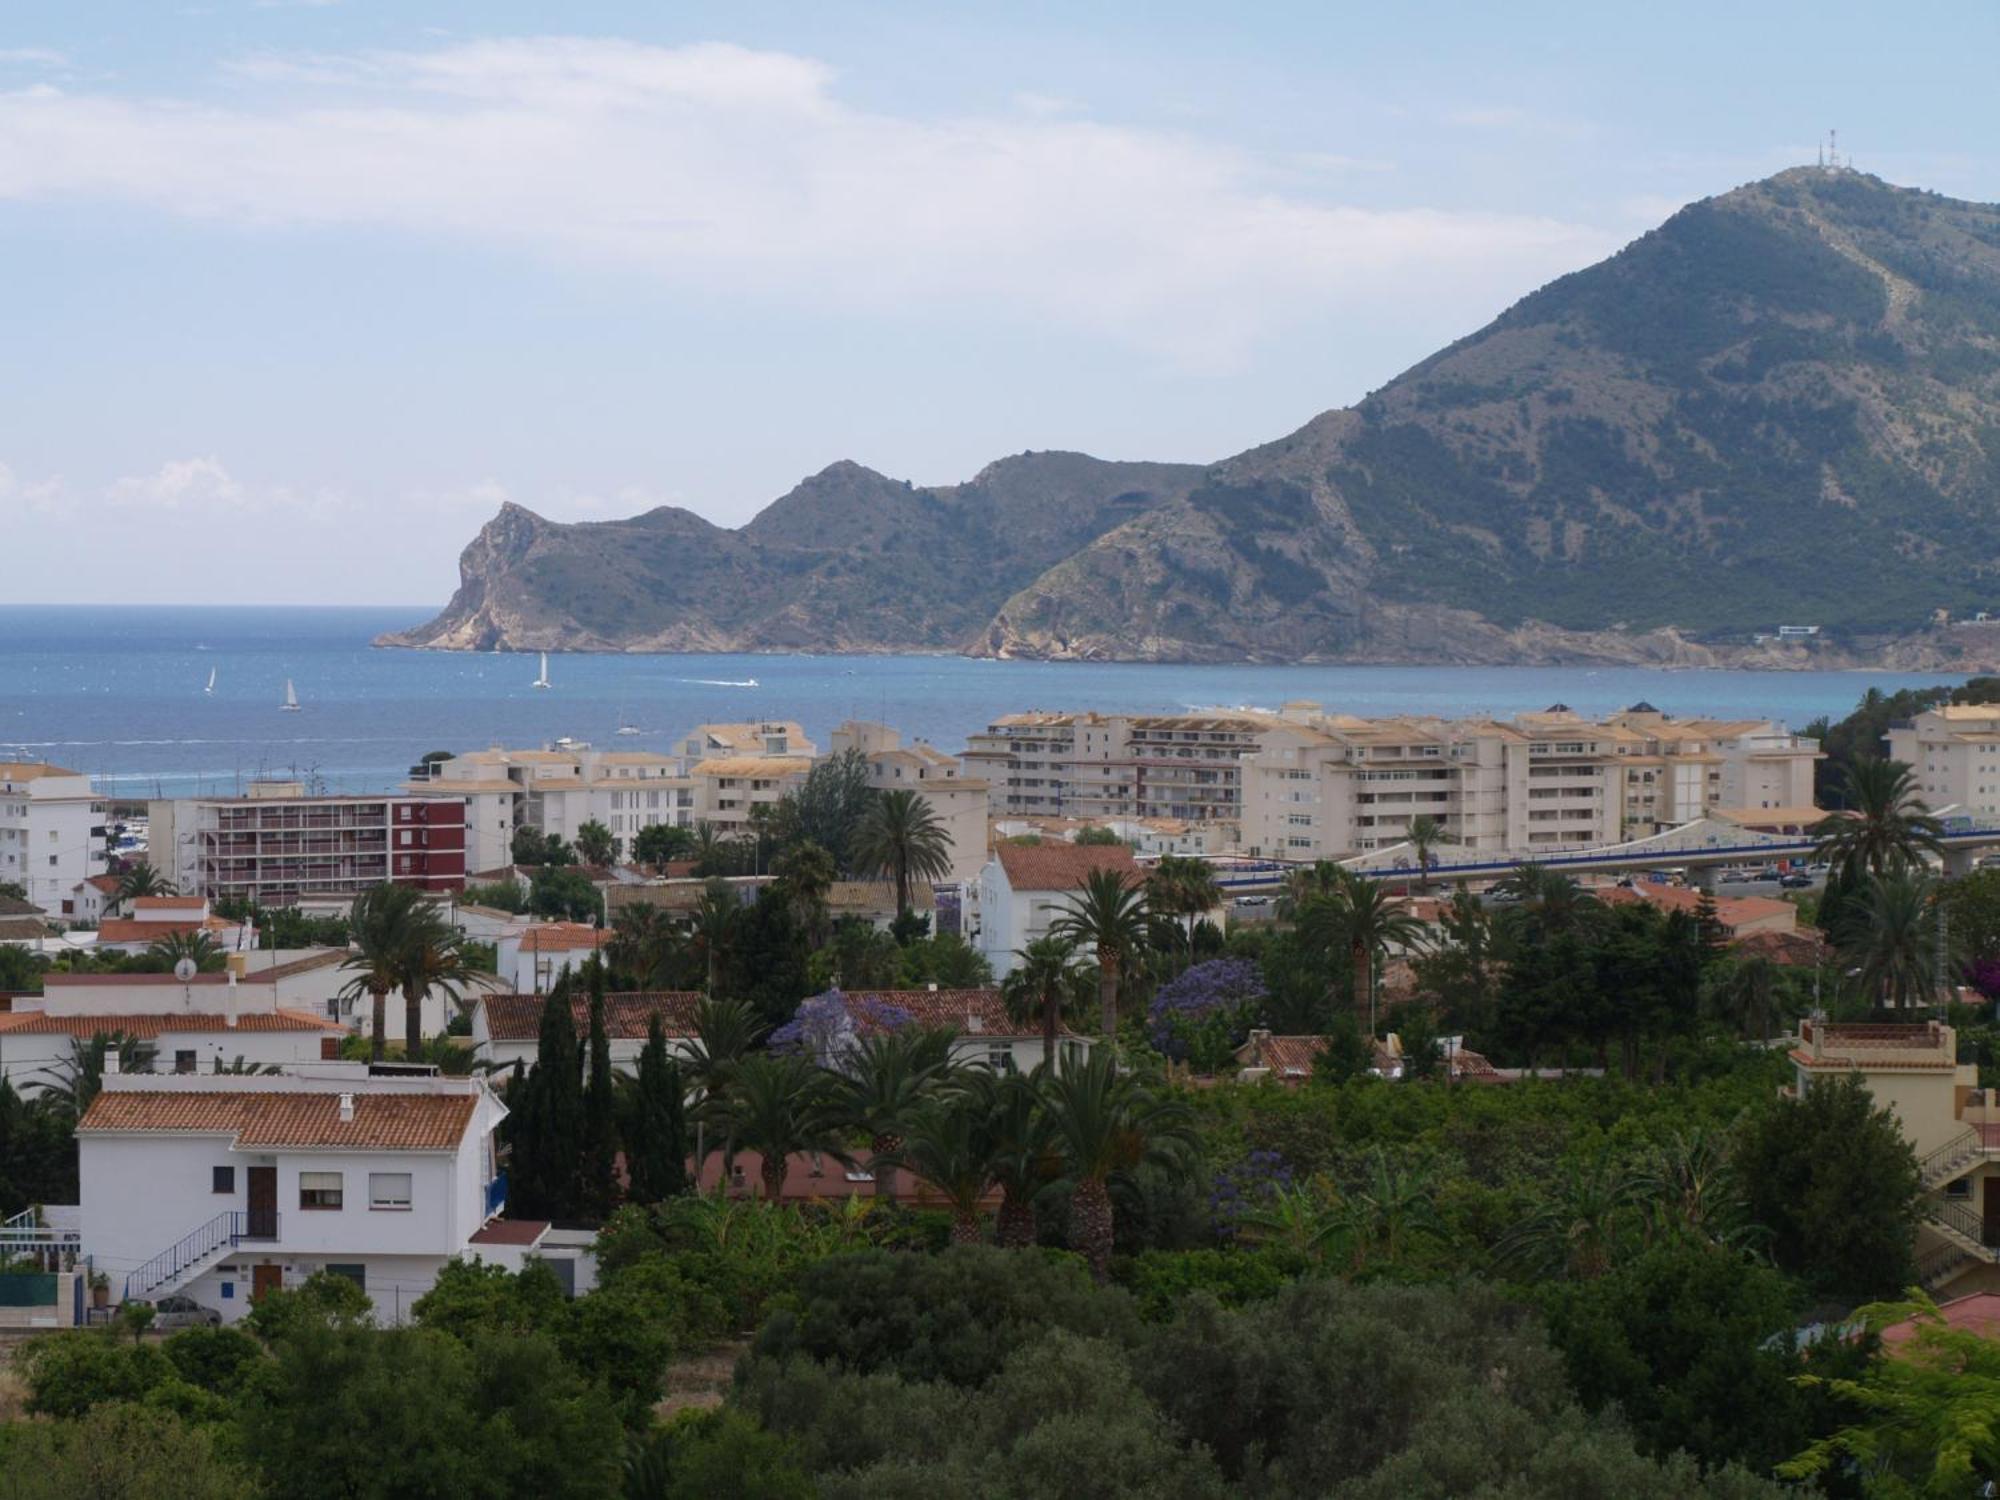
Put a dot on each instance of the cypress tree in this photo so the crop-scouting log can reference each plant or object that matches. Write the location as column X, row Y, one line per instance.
column 548, row 1140
column 598, row 1188
column 656, row 1130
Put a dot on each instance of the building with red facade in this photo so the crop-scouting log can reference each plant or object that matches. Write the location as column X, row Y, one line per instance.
column 279, row 846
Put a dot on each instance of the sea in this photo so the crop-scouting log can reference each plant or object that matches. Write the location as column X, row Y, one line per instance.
column 120, row 692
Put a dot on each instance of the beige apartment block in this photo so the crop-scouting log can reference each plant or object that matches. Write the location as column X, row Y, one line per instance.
column 957, row 797
column 1955, row 752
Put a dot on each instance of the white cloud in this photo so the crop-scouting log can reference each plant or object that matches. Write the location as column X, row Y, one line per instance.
column 182, row 484
column 32, row 57
column 741, row 173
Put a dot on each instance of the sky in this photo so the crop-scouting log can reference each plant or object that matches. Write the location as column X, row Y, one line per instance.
column 294, row 293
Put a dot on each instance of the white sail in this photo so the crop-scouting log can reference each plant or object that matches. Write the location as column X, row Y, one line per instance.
column 211, row 681
column 291, row 703
column 543, row 680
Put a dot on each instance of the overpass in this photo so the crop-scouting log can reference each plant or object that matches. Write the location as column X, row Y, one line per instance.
column 1700, row 847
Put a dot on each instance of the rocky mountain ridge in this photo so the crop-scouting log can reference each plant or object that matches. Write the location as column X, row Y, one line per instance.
column 1782, row 406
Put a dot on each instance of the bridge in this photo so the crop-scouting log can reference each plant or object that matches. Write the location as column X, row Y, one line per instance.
column 1700, row 847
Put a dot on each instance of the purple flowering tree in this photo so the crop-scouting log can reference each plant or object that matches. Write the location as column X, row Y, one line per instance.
column 826, row 1027
column 1245, row 1188
column 1202, row 1016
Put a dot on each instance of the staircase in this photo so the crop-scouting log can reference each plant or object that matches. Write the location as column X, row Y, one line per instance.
column 197, row 1250
column 1952, row 1158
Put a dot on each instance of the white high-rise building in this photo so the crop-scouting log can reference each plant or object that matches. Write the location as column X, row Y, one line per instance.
column 51, row 833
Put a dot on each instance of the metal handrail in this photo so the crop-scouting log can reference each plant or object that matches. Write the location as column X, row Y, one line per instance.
column 1966, row 1145
column 1961, row 1219
column 222, row 1233
column 1933, row 1265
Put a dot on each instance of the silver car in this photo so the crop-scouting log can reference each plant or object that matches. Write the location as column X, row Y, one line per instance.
column 179, row 1311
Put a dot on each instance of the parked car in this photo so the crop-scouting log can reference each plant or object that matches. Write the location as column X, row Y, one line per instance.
column 1247, row 901
column 178, row 1311
column 1795, row 882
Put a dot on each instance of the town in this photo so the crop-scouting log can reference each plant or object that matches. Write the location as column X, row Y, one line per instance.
column 555, row 1023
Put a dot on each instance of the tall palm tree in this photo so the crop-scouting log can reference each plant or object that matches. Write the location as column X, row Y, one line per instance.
column 1039, row 985
column 644, row 942
column 1320, row 878
column 1891, row 932
column 435, row 960
column 1555, row 900
column 1183, row 887
column 596, row 843
column 1425, row 834
column 900, row 838
column 1579, row 1230
column 778, row 1104
column 1748, row 992
column 884, row 1080
column 709, row 851
column 1106, row 1124
column 725, row 1031
column 378, row 932
column 70, row 1085
column 1688, row 1185
column 807, row 872
column 717, row 915
column 138, row 880
column 1888, row 827
column 1395, row 1201
column 1107, row 914
column 197, row 947
column 1362, row 921
column 1300, row 1218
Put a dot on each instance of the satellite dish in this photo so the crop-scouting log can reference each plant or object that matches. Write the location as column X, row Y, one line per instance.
column 186, row 969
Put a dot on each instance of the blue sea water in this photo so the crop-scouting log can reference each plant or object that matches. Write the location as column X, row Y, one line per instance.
column 117, row 692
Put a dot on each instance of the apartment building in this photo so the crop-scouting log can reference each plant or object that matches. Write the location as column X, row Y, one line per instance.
column 279, row 845
column 51, row 833
column 1102, row 766
column 755, row 737
column 958, row 799
column 1545, row 780
column 1954, row 750
column 557, row 790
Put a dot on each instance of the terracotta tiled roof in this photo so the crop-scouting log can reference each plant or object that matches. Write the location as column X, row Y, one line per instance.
column 105, row 883
column 130, row 930
column 563, row 937
column 518, row 1018
column 168, row 903
column 1731, row 911
column 149, row 1024
column 512, row 1232
column 15, row 906
column 1798, row 949
column 1061, row 867
column 142, row 981
column 1976, row 1312
column 1290, row 1058
column 979, row 1012
column 23, row 929
column 280, row 1121
column 876, row 895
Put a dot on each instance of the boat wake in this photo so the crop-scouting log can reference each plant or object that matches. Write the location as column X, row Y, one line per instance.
column 719, row 681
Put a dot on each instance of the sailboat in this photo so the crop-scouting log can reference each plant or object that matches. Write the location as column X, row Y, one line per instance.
column 543, row 680
column 625, row 724
column 210, row 689
column 291, row 703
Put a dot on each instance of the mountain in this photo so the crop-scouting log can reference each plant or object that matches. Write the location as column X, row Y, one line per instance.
column 1781, row 406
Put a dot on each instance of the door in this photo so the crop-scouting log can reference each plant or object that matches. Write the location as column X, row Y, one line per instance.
column 1989, row 1204
column 265, row 1279
column 263, row 1216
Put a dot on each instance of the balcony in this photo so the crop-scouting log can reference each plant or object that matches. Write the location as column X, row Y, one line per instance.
column 496, row 1194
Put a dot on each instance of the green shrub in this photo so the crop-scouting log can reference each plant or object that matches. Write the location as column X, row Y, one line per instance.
column 1163, row 1279
column 69, row 1373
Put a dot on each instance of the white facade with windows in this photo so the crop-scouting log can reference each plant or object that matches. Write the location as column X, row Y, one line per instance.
column 51, row 833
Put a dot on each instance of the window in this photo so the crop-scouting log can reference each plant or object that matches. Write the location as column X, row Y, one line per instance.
column 319, row 1190
column 358, row 1274
column 222, row 1180
column 388, row 1189
column 184, row 1060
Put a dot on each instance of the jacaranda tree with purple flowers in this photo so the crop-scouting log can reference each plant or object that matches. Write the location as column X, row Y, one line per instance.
column 1202, row 1016
column 826, row 1027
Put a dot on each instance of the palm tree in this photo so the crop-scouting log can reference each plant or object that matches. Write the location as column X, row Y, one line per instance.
column 596, row 843
column 951, row 1146
column 434, row 960
column 1108, row 914
column 1301, row 1219
column 1748, row 992
column 197, row 947
column 70, row 1085
column 901, row 838
column 1184, row 887
column 716, row 916
column 1888, row 828
column 1579, row 1230
column 884, row 1078
column 379, row 929
column 139, row 880
column 644, row 942
column 1038, row 987
column 778, row 1104
column 1425, row 834
column 1024, row 1159
column 1892, row 931
column 709, row 851
column 1360, row 919
column 808, row 873
column 1322, row 877
column 1688, row 1185
column 1106, row 1124
column 1555, row 900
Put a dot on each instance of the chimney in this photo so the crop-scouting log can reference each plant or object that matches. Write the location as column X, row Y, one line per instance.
column 932, row 986
column 229, row 1002
column 347, row 1109
column 111, row 1066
